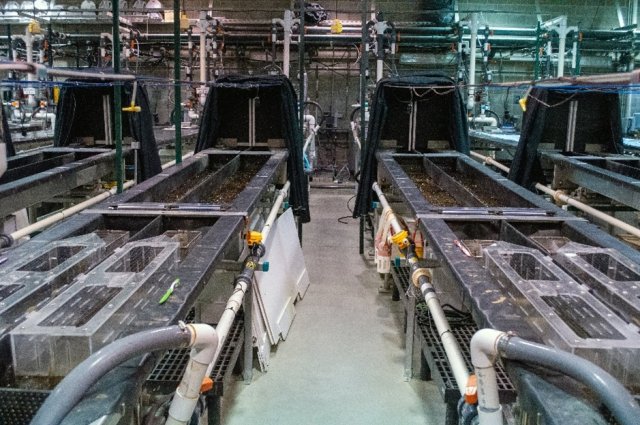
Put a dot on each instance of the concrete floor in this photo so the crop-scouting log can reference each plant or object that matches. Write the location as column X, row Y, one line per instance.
column 342, row 362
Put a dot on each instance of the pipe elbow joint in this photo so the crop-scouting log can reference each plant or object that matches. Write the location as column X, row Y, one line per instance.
column 484, row 347
column 204, row 342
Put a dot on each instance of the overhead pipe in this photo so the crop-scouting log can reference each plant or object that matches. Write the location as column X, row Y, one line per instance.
column 562, row 197
column 77, row 383
column 489, row 344
column 421, row 278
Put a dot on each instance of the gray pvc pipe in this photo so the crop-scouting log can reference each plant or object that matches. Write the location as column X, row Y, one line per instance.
column 611, row 392
column 77, row 383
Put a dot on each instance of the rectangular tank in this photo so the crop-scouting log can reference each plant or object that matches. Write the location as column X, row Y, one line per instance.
column 613, row 277
column 93, row 311
column 30, row 277
column 564, row 312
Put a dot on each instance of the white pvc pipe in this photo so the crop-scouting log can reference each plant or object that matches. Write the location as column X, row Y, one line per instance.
column 379, row 69
column 473, row 42
column 286, row 54
column 559, row 196
column 37, row 68
column 204, row 343
column 483, row 119
column 484, row 351
column 449, row 342
column 3, row 158
column 562, row 33
column 172, row 163
column 274, row 211
column 39, row 225
column 489, row 160
column 226, row 320
column 203, row 56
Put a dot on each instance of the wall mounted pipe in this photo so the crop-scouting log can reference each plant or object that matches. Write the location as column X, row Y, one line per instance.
column 421, row 278
column 78, row 382
column 488, row 344
column 561, row 197
column 8, row 240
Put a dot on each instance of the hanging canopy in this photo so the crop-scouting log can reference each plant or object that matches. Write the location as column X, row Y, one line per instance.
column 441, row 122
column 226, row 116
column 81, row 114
column 546, row 122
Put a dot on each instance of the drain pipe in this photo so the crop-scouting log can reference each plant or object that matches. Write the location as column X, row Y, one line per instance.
column 421, row 278
column 77, row 383
column 271, row 218
column 561, row 197
column 205, row 343
column 8, row 240
column 244, row 280
column 488, row 344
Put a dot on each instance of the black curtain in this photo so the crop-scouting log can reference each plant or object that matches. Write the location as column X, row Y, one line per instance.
column 6, row 134
column 546, row 121
column 441, row 116
column 80, row 113
column 276, row 118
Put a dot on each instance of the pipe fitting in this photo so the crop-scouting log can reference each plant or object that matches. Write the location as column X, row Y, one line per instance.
column 6, row 240
column 418, row 273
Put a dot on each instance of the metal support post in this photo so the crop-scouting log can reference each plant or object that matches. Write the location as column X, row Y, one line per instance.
column 247, row 308
column 410, row 333
column 117, row 96
column 176, row 76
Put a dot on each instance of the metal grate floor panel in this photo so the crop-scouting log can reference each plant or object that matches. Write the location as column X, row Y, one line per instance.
column 17, row 407
column 434, row 351
column 171, row 367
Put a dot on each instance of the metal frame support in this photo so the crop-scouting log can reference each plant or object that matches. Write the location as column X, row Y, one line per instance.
column 364, row 63
column 247, row 308
column 176, row 76
column 410, row 335
column 117, row 96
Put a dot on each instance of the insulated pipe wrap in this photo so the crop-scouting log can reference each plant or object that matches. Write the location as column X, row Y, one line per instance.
column 77, row 383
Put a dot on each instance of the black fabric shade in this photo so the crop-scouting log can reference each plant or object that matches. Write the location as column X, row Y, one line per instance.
column 225, row 115
column 441, row 117
column 546, row 121
column 80, row 113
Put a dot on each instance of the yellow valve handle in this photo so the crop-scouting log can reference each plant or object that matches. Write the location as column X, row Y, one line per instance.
column 254, row 238
column 400, row 239
column 132, row 108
